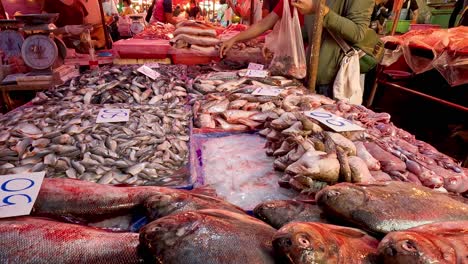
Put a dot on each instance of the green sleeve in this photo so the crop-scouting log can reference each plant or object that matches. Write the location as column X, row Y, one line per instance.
column 353, row 25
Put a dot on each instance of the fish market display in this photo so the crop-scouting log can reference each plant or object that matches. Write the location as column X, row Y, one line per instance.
column 123, row 84
column 312, row 156
column 156, row 31
column 390, row 206
column 195, row 36
column 281, row 212
column 38, row 240
column 304, row 243
column 208, row 237
column 246, row 177
column 230, row 105
column 444, row 243
column 65, row 140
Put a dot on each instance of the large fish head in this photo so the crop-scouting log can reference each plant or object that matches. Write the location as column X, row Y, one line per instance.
column 277, row 213
column 157, row 237
column 163, row 204
column 410, row 247
column 301, row 243
column 342, row 199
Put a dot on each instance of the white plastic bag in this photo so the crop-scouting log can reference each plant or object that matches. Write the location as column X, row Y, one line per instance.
column 285, row 41
column 347, row 85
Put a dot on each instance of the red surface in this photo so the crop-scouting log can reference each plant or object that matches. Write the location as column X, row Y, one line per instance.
column 191, row 59
column 142, row 49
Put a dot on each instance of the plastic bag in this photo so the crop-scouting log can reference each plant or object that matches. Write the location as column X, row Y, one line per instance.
column 347, row 85
column 454, row 68
column 285, row 41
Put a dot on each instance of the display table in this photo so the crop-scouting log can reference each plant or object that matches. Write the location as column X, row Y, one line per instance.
column 6, row 89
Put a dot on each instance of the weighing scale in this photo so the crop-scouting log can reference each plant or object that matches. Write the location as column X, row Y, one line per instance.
column 41, row 49
column 11, row 39
column 138, row 24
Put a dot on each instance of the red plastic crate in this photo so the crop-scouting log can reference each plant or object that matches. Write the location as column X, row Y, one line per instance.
column 142, row 49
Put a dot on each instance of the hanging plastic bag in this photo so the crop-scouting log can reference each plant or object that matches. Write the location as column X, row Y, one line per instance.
column 285, row 42
column 347, row 85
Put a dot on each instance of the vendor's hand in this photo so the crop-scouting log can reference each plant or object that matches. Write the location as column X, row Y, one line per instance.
column 77, row 29
column 227, row 45
column 267, row 54
column 305, row 7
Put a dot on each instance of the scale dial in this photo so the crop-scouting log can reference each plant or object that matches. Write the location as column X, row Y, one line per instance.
column 11, row 42
column 137, row 27
column 39, row 52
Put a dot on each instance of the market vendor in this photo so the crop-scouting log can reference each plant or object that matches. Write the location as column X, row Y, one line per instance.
column 161, row 11
column 409, row 5
column 70, row 23
column 127, row 9
column 346, row 19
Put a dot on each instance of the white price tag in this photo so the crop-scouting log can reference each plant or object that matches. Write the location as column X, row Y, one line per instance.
column 149, row 72
column 334, row 122
column 153, row 65
column 255, row 66
column 256, row 73
column 113, row 115
column 18, row 192
column 268, row 91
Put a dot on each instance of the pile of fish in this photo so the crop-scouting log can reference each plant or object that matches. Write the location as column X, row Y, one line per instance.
column 156, row 31
column 65, row 140
column 312, row 156
column 195, row 36
column 228, row 102
column 122, row 84
column 189, row 227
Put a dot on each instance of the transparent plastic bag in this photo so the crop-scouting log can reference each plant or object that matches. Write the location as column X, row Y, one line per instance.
column 285, row 42
column 454, row 68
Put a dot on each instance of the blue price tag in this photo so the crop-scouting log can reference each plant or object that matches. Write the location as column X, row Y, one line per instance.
column 334, row 122
column 113, row 115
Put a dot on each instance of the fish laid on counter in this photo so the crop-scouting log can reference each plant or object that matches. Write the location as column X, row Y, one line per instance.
column 111, row 207
column 390, row 206
column 304, row 243
column 38, row 240
column 444, row 243
column 208, row 237
column 122, row 84
column 281, row 212
column 65, row 140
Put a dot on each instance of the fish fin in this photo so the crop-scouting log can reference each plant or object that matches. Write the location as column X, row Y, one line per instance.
column 349, row 232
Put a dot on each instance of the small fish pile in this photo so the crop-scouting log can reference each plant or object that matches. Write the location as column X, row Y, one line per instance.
column 229, row 104
column 122, row 84
column 195, row 36
column 312, row 156
column 65, row 140
column 156, row 31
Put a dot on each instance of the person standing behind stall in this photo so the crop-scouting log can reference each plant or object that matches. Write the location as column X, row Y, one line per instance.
column 345, row 18
column 221, row 13
column 160, row 11
column 127, row 10
column 194, row 10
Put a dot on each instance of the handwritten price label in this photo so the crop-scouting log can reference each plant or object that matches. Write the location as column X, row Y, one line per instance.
column 256, row 73
column 255, row 66
column 149, row 72
column 153, row 65
column 334, row 122
column 268, row 91
column 18, row 192
column 113, row 115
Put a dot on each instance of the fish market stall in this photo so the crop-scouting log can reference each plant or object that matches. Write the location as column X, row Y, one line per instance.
column 178, row 163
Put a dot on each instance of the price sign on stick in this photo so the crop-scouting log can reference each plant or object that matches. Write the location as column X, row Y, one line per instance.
column 332, row 121
column 256, row 73
column 255, row 66
column 268, row 91
column 18, row 192
column 149, row 72
column 113, row 115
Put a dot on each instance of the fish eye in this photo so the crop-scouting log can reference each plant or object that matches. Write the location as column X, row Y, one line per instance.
column 303, row 240
column 408, row 245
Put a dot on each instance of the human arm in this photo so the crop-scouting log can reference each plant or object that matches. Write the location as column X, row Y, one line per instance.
column 72, row 29
column 252, row 32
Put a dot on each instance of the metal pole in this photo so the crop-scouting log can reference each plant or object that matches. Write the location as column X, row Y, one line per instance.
column 103, row 21
column 252, row 12
column 315, row 46
column 396, row 11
